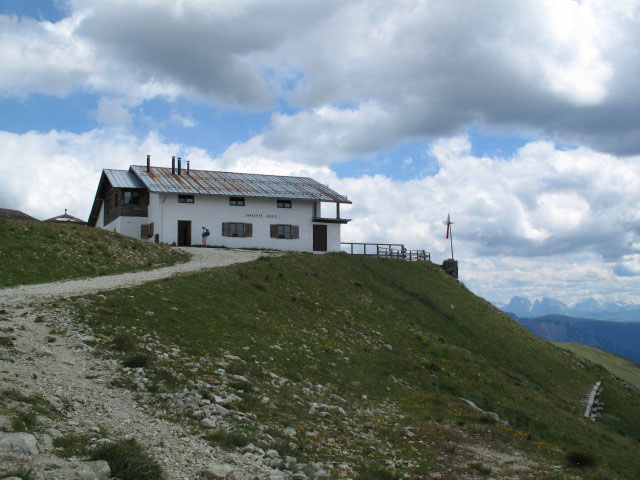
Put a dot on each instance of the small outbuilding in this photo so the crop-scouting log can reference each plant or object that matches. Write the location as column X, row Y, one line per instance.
column 66, row 218
column 16, row 215
column 241, row 210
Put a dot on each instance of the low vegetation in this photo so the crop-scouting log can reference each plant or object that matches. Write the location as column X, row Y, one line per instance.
column 37, row 252
column 389, row 348
column 619, row 366
column 128, row 461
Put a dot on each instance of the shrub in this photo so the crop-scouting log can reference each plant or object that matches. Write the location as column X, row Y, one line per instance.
column 581, row 459
column 480, row 468
column 375, row 472
column 71, row 445
column 123, row 342
column 227, row 439
column 138, row 360
column 128, row 461
column 24, row 422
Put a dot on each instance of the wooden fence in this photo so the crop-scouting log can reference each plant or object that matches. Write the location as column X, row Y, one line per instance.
column 386, row 250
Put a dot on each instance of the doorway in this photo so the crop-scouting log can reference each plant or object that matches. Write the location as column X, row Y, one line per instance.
column 184, row 233
column 319, row 238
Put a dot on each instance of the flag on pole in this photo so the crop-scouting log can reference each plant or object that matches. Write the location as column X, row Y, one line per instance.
column 448, row 223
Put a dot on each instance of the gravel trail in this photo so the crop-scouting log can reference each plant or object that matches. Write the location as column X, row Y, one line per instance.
column 45, row 353
column 202, row 258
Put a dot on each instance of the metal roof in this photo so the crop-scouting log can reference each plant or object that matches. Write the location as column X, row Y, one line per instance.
column 206, row 182
column 123, row 179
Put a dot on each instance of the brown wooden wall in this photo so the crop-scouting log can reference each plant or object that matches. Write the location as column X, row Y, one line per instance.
column 115, row 207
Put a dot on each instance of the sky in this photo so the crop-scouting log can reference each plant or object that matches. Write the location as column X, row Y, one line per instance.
column 519, row 119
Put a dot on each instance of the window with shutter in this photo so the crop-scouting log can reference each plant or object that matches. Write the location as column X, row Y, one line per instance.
column 248, row 230
column 285, row 231
column 144, row 231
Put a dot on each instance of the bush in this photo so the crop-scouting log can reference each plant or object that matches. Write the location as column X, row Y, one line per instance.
column 480, row 468
column 375, row 472
column 128, row 461
column 123, row 342
column 24, row 422
column 71, row 445
column 227, row 439
column 138, row 360
column 581, row 459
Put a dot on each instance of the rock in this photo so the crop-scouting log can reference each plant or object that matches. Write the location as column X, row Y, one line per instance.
column 98, row 470
column 289, row 432
column 277, row 476
column 216, row 472
column 4, row 422
column 272, row 454
column 23, row 443
column 45, row 442
column 208, row 422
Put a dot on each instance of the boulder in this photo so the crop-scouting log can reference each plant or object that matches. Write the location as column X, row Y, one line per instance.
column 98, row 470
column 23, row 443
column 216, row 472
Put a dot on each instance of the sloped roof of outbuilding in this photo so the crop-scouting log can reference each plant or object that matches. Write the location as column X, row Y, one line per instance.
column 15, row 215
column 65, row 218
column 208, row 182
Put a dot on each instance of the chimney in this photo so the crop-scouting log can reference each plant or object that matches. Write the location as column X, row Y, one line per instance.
column 188, row 162
column 179, row 165
column 173, row 165
column 148, row 163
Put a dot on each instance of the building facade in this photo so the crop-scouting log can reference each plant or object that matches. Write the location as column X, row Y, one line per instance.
column 170, row 205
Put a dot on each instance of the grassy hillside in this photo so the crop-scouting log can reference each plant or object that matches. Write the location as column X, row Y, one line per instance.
column 395, row 345
column 617, row 365
column 36, row 252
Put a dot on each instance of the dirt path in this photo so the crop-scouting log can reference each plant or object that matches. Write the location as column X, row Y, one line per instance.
column 47, row 355
column 202, row 258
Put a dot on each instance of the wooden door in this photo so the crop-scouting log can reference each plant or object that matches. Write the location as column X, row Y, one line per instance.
column 319, row 238
column 184, row 233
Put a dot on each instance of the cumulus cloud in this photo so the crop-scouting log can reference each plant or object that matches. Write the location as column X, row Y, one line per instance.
column 403, row 69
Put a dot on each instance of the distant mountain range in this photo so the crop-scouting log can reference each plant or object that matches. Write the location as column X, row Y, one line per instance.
column 616, row 337
column 586, row 308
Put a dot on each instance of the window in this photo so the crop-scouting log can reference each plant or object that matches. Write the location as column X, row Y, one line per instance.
column 284, row 203
column 185, row 198
column 131, row 197
column 236, row 229
column 230, row 229
column 285, row 231
column 237, row 201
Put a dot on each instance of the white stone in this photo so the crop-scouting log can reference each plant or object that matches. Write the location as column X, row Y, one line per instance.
column 98, row 470
column 23, row 443
column 216, row 472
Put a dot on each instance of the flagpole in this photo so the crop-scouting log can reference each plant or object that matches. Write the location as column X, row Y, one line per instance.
column 451, row 236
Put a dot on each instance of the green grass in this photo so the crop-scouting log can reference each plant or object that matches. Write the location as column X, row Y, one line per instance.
column 228, row 439
column 128, row 461
column 71, row 445
column 619, row 366
column 402, row 341
column 38, row 252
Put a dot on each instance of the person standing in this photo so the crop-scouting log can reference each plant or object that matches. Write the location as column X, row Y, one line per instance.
column 205, row 235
